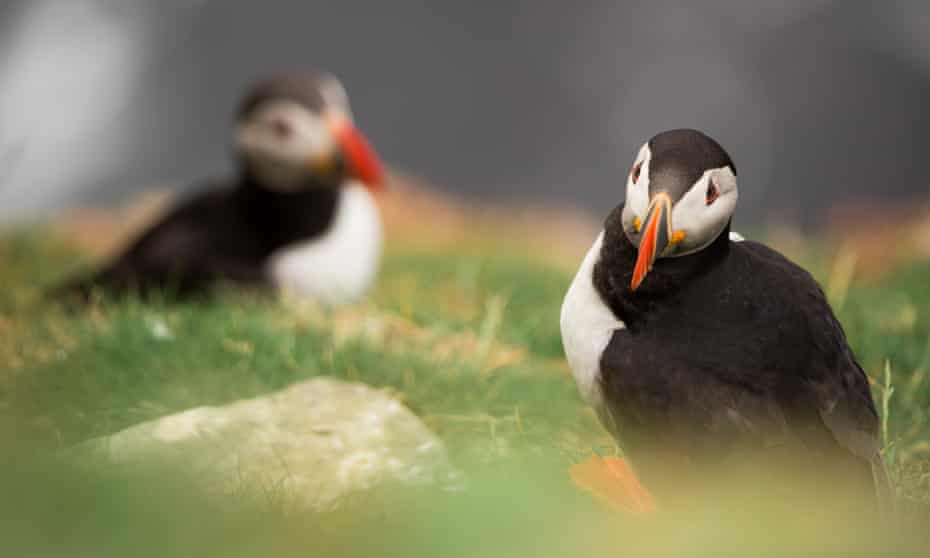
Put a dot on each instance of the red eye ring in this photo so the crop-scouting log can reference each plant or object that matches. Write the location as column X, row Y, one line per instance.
column 712, row 192
column 635, row 172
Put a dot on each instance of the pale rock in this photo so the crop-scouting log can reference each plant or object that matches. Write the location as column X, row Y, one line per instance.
column 312, row 444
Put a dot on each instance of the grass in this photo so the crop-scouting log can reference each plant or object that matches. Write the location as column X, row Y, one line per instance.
column 467, row 337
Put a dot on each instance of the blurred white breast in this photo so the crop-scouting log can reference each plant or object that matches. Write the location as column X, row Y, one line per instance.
column 339, row 266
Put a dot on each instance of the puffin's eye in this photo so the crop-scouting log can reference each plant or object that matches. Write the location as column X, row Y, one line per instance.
column 635, row 172
column 712, row 192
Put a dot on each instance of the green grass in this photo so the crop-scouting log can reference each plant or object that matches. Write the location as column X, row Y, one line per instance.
column 67, row 376
column 467, row 338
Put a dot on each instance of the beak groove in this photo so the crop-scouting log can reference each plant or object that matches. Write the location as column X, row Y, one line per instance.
column 656, row 236
column 362, row 160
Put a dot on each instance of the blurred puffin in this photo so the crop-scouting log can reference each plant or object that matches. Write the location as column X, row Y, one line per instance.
column 300, row 216
column 696, row 348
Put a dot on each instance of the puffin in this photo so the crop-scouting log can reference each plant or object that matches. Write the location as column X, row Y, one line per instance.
column 703, row 353
column 300, row 215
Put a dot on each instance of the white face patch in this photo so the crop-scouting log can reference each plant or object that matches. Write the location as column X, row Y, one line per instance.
column 637, row 194
column 281, row 139
column 702, row 222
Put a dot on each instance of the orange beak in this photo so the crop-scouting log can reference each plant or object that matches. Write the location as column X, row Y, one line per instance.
column 362, row 161
column 656, row 235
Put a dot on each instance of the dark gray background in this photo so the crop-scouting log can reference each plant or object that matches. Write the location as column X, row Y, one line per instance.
column 819, row 102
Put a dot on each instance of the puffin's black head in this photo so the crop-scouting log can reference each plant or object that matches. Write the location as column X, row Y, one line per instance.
column 680, row 196
column 296, row 130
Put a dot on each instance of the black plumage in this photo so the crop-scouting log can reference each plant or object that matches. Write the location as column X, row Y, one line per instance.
column 226, row 233
column 727, row 352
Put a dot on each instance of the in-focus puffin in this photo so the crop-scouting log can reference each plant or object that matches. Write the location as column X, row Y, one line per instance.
column 300, row 215
column 696, row 348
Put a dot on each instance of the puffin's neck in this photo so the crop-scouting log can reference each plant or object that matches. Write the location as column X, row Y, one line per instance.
column 614, row 272
column 282, row 218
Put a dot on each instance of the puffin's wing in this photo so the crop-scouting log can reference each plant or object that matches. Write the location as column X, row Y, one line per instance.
column 835, row 386
column 853, row 421
column 846, row 412
column 161, row 256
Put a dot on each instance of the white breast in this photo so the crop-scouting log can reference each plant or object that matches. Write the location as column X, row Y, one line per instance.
column 587, row 326
column 341, row 264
